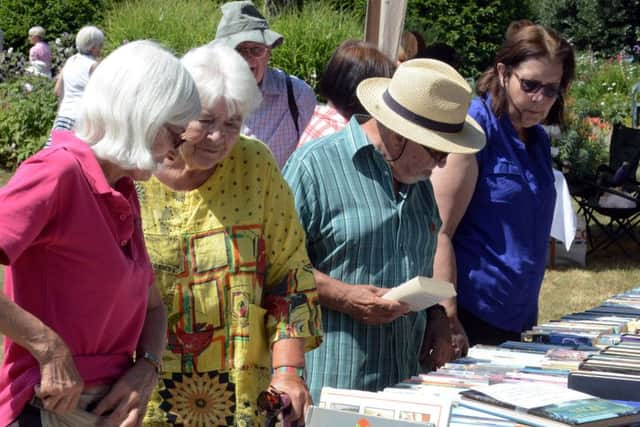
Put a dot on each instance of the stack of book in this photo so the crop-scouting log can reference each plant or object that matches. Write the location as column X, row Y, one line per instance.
column 600, row 326
column 613, row 373
column 580, row 370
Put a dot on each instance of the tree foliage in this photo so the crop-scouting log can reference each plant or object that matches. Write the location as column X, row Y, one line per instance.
column 55, row 16
column 475, row 28
column 606, row 26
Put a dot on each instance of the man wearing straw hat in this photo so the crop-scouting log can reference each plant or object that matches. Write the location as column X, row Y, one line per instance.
column 367, row 205
column 287, row 102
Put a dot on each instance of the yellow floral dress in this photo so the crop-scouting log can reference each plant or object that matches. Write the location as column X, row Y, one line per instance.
column 232, row 268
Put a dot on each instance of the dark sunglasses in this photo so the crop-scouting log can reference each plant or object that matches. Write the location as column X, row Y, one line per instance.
column 438, row 156
column 550, row 90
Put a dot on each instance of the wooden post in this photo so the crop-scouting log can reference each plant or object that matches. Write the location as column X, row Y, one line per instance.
column 384, row 24
column 372, row 21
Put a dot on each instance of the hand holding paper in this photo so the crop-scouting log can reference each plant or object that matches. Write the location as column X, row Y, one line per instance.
column 421, row 292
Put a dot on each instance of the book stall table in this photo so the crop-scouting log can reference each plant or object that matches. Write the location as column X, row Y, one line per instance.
column 580, row 370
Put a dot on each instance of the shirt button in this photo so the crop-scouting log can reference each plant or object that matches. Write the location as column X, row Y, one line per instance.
column 123, row 243
column 123, row 217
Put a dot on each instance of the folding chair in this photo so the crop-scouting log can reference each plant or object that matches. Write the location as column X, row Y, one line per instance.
column 615, row 183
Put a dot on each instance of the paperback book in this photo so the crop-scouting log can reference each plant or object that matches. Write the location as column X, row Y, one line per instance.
column 549, row 405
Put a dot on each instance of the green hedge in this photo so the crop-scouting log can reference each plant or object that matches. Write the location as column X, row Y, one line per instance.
column 55, row 16
column 27, row 110
column 605, row 26
column 475, row 29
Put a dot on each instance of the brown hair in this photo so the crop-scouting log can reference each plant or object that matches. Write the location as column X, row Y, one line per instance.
column 352, row 62
column 525, row 40
column 411, row 45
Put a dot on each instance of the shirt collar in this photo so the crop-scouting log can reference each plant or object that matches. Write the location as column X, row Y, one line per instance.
column 357, row 138
column 271, row 84
column 91, row 169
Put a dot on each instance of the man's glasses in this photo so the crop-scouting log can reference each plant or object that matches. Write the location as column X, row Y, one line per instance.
column 438, row 156
column 254, row 51
column 176, row 136
column 550, row 90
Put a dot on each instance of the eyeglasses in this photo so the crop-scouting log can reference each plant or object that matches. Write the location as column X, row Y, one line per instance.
column 550, row 90
column 230, row 126
column 176, row 136
column 438, row 156
column 256, row 51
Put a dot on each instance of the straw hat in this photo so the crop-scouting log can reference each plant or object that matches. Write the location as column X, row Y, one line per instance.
column 242, row 22
column 425, row 101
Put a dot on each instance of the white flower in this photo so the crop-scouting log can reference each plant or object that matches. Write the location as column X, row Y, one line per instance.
column 10, row 51
column 58, row 41
column 28, row 87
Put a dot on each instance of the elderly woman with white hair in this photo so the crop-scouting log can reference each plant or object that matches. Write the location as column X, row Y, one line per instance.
column 84, row 324
column 39, row 54
column 230, row 262
column 75, row 73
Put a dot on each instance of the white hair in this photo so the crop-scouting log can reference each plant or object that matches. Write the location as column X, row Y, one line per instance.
column 37, row 31
column 221, row 73
column 135, row 90
column 88, row 38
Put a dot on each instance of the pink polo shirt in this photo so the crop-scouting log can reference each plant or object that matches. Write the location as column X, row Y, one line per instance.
column 40, row 52
column 77, row 262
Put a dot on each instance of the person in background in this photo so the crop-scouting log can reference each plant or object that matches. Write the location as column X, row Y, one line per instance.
column 352, row 62
column 287, row 102
column 39, row 54
column 411, row 45
column 80, row 300
column 75, row 73
column 442, row 52
column 497, row 206
column 230, row 261
column 371, row 222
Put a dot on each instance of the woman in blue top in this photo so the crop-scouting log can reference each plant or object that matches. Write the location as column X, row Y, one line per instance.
column 497, row 206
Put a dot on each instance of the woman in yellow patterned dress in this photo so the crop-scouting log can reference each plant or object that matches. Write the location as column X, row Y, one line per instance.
column 230, row 261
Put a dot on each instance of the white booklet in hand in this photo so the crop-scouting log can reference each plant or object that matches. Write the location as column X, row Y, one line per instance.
column 421, row 292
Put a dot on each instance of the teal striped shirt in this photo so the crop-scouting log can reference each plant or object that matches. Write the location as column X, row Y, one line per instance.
column 360, row 231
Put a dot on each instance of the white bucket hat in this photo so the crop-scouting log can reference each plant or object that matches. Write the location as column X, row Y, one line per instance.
column 425, row 101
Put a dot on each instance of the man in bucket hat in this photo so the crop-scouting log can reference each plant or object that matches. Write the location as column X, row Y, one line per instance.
column 367, row 206
column 288, row 102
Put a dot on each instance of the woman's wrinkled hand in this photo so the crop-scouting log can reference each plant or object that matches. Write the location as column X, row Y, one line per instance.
column 295, row 387
column 60, row 383
column 126, row 402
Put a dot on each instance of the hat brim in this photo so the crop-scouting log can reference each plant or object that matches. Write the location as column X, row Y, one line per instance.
column 470, row 139
column 266, row 37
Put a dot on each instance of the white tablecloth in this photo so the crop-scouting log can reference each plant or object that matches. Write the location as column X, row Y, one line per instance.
column 563, row 227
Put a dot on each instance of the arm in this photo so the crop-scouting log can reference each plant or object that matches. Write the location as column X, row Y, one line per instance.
column 23, row 217
column 58, row 89
column 362, row 302
column 453, row 187
column 289, row 352
column 129, row 396
column 60, row 384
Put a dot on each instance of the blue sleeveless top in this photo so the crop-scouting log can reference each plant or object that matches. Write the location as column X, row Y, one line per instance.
column 502, row 240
